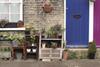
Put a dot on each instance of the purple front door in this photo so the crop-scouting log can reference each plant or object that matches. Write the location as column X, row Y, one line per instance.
column 97, row 22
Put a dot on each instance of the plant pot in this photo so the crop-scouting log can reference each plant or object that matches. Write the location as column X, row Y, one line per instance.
column 44, row 45
column 33, row 44
column 53, row 45
column 28, row 50
column 14, row 43
column 47, row 8
column 91, row 56
column 53, row 36
column 6, row 54
column 20, row 24
column 18, row 55
column 59, row 36
column 65, row 55
column 44, row 36
column 34, row 50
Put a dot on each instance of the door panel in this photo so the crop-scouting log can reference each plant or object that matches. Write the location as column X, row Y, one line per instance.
column 97, row 22
column 77, row 23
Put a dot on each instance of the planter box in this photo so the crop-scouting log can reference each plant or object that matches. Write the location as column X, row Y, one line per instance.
column 5, row 54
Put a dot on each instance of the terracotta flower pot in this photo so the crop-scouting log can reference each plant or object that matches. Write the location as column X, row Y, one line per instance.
column 20, row 24
column 65, row 55
column 47, row 8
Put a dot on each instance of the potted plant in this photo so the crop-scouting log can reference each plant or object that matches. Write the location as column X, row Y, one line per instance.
column 1, row 52
column 3, row 22
column 92, row 0
column 53, row 45
column 55, row 31
column 21, row 41
column 65, row 54
column 12, row 38
column 92, row 50
column 20, row 23
column 43, row 45
column 33, row 34
column 72, row 55
column 43, row 33
column 32, row 40
column 47, row 6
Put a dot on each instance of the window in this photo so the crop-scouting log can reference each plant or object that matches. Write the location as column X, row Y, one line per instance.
column 11, row 10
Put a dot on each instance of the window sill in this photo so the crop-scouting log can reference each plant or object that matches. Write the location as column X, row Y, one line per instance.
column 12, row 29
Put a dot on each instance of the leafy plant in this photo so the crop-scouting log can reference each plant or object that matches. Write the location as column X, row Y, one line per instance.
column 32, row 39
column 72, row 55
column 3, row 22
column 53, row 45
column 83, row 55
column 92, row 50
column 55, row 30
column 92, row 47
column 92, row 0
column 5, row 49
column 21, row 41
column 9, row 49
column 34, row 32
column 65, row 49
column 1, row 49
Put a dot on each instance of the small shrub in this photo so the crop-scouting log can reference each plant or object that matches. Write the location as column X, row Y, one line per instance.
column 72, row 55
column 83, row 56
column 92, row 50
column 53, row 45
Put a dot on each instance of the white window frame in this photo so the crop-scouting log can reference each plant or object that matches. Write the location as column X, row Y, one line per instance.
column 21, row 8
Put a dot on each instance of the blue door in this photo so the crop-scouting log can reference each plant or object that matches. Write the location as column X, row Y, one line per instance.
column 77, row 23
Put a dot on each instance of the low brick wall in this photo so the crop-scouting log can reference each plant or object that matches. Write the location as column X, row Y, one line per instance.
column 83, row 52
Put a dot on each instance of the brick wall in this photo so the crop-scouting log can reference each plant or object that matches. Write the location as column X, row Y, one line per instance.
column 34, row 14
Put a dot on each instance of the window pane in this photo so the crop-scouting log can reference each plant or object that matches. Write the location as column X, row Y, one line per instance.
column 4, row 16
column 16, row 0
column 15, row 8
column 14, row 17
column 4, row 0
column 4, row 8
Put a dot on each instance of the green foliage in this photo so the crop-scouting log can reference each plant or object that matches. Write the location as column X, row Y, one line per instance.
column 1, row 49
column 3, row 22
column 32, row 40
column 5, row 49
column 83, row 55
column 54, row 45
column 72, row 55
column 92, row 50
column 92, row 47
column 92, row 0
column 55, row 30
column 21, row 41
column 9, row 49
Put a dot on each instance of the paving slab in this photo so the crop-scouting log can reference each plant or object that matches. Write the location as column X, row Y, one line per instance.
column 35, row 63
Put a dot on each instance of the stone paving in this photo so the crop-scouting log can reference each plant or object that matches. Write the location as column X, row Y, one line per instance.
column 34, row 63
